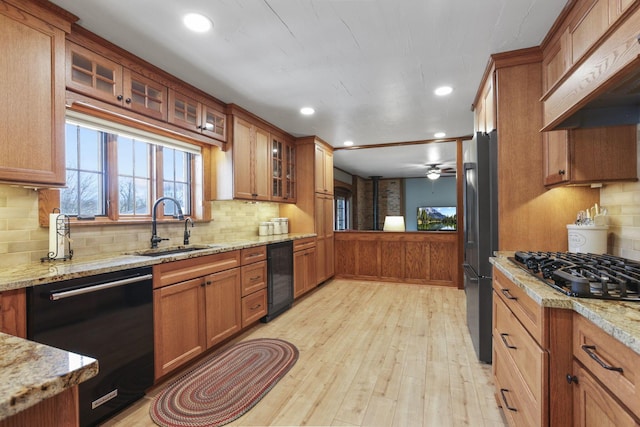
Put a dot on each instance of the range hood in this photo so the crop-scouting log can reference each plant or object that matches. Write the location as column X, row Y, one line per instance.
column 618, row 105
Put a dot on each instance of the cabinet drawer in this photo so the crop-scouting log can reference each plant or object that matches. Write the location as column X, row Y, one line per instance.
column 255, row 254
column 621, row 376
column 179, row 271
column 302, row 244
column 522, row 351
column 254, row 277
column 528, row 312
column 254, row 307
column 518, row 408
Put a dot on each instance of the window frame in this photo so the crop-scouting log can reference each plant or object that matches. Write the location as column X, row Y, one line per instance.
column 158, row 142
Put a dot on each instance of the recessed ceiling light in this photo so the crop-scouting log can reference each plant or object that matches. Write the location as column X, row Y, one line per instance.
column 307, row 111
column 439, row 134
column 197, row 22
column 443, row 90
column 348, row 143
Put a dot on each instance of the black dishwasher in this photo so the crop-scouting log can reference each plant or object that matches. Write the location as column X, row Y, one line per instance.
column 280, row 279
column 108, row 317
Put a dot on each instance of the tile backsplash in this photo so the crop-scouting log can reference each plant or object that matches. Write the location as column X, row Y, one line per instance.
column 22, row 240
column 623, row 203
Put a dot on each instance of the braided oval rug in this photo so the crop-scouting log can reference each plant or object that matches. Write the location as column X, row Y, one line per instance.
column 224, row 386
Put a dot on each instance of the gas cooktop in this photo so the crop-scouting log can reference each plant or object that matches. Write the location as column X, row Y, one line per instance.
column 584, row 275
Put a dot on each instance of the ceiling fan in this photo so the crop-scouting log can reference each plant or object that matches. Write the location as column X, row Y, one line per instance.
column 434, row 172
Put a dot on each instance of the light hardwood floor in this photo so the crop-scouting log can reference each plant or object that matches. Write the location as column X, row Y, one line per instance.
column 371, row 354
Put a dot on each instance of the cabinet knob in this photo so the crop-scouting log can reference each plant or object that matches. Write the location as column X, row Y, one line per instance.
column 128, row 100
column 561, row 172
column 119, row 97
column 209, row 282
column 572, row 379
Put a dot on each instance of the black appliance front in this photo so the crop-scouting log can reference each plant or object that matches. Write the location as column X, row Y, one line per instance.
column 280, row 279
column 108, row 317
column 480, row 239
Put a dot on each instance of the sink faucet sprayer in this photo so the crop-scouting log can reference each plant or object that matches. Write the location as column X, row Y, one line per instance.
column 154, row 232
column 187, row 233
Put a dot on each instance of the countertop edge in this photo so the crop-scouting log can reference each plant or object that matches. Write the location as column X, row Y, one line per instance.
column 44, row 371
column 35, row 274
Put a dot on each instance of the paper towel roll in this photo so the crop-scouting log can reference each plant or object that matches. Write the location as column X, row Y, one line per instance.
column 57, row 233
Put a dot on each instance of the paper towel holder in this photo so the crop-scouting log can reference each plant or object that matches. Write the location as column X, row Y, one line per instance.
column 62, row 236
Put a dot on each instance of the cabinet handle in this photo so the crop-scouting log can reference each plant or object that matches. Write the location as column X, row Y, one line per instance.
column 504, row 340
column 128, row 100
column 254, row 278
column 504, row 399
column 254, row 195
column 561, row 172
column 572, row 379
column 591, row 351
column 119, row 97
column 508, row 295
column 255, row 307
column 209, row 282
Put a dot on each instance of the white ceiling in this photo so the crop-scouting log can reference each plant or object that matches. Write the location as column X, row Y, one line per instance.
column 368, row 67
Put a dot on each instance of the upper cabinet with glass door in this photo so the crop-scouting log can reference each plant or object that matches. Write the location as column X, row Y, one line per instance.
column 197, row 116
column 283, row 171
column 96, row 76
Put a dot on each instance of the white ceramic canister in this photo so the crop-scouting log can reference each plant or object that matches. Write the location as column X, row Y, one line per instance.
column 587, row 238
column 263, row 229
column 277, row 229
column 270, row 228
column 284, row 225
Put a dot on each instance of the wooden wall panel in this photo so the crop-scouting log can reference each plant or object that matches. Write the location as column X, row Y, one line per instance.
column 392, row 255
column 367, row 253
column 345, row 257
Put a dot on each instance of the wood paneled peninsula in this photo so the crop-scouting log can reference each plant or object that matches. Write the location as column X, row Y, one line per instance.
column 429, row 258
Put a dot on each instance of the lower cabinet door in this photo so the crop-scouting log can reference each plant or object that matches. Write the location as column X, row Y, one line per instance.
column 594, row 406
column 178, row 313
column 222, row 299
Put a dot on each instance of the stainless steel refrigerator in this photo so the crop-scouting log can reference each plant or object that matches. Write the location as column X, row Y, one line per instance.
column 480, row 236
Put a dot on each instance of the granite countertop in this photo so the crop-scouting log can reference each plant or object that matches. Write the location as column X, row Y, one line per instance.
column 34, row 274
column 620, row 319
column 31, row 372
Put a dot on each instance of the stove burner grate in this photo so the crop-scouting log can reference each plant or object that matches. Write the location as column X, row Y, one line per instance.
column 584, row 275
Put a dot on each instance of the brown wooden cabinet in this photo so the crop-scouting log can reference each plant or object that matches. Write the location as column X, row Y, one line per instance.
column 323, row 170
column 13, row 312
column 594, row 46
column 283, row 170
column 254, row 284
column 98, row 77
column 179, row 328
column 197, row 116
column 324, row 243
column 522, row 195
column 313, row 211
column 485, row 110
column 32, row 87
column 605, row 372
column 531, row 357
column 590, row 155
column 223, row 310
column 304, row 266
column 196, row 304
column 251, row 157
column 594, row 406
